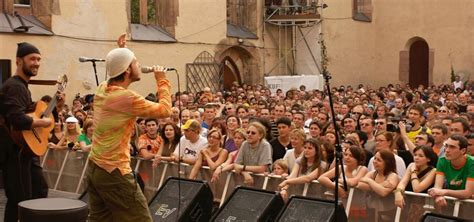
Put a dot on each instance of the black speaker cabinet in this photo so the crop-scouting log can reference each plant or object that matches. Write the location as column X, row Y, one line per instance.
column 182, row 200
column 248, row 204
column 310, row 209
column 431, row 217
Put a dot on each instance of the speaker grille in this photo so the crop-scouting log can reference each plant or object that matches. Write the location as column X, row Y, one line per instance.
column 248, row 204
column 194, row 200
column 307, row 210
column 170, row 192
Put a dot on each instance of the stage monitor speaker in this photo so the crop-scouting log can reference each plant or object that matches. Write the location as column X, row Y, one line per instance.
column 248, row 204
column 182, row 200
column 431, row 217
column 310, row 209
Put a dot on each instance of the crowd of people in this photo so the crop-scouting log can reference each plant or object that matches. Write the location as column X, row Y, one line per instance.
column 394, row 138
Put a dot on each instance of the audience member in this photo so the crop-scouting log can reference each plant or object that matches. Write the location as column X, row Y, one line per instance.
column 354, row 159
column 213, row 156
column 308, row 167
column 380, row 182
column 191, row 144
column 454, row 172
column 281, row 144
column 150, row 142
column 420, row 174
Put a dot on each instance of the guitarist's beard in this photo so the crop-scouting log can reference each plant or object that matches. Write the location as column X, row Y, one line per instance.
column 28, row 71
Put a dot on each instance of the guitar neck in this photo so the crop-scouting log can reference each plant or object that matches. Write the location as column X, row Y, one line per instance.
column 51, row 105
column 61, row 83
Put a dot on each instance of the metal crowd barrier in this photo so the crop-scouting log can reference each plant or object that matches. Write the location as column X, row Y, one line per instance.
column 65, row 171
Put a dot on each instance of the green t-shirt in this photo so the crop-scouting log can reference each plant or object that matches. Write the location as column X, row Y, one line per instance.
column 456, row 178
column 84, row 138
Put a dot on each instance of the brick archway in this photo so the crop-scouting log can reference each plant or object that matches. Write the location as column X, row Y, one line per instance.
column 241, row 62
column 230, row 72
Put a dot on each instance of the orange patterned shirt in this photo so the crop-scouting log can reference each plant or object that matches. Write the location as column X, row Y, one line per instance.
column 115, row 112
column 150, row 144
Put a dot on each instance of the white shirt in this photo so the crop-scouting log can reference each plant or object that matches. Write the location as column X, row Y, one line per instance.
column 190, row 150
column 290, row 158
column 401, row 168
column 458, row 84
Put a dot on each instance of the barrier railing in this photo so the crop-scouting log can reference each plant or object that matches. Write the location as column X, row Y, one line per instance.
column 65, row 171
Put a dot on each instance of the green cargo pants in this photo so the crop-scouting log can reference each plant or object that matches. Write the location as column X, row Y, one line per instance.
column 113, row 197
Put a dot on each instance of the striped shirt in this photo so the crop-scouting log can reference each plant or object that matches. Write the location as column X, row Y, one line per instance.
column 115, row 112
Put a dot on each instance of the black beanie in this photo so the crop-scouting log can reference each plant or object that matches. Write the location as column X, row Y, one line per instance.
column 25, row 48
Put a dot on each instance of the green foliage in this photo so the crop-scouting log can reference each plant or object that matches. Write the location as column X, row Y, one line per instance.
column 135, row 11
column 453, row 76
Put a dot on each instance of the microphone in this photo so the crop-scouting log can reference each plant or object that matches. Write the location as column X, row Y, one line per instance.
column 148, row 69
column 85, row 59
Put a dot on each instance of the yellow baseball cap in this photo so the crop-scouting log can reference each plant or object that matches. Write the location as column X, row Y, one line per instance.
column 191, row 124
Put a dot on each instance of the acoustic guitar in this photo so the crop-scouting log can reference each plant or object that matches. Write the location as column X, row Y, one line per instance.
column 37, row 138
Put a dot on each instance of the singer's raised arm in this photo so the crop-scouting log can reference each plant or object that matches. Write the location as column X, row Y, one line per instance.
column 162, row 109
column 122, row 41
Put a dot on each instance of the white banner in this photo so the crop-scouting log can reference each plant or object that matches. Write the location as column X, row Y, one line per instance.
column 287, row 82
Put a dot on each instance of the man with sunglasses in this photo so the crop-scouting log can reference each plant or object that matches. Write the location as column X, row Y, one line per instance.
column 255, row 154
column 230, row 109
column 380, row 124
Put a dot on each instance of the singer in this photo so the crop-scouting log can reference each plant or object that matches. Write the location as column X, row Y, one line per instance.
column 114, row 194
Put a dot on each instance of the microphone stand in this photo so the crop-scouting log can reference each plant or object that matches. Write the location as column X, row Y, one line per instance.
column 95, row 72
column 338, row 148
column 338, row 151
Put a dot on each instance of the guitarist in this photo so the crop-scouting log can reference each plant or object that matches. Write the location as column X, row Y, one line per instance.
column 22, row 173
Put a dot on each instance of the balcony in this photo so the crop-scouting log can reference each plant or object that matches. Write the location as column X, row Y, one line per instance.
column 289, row 15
